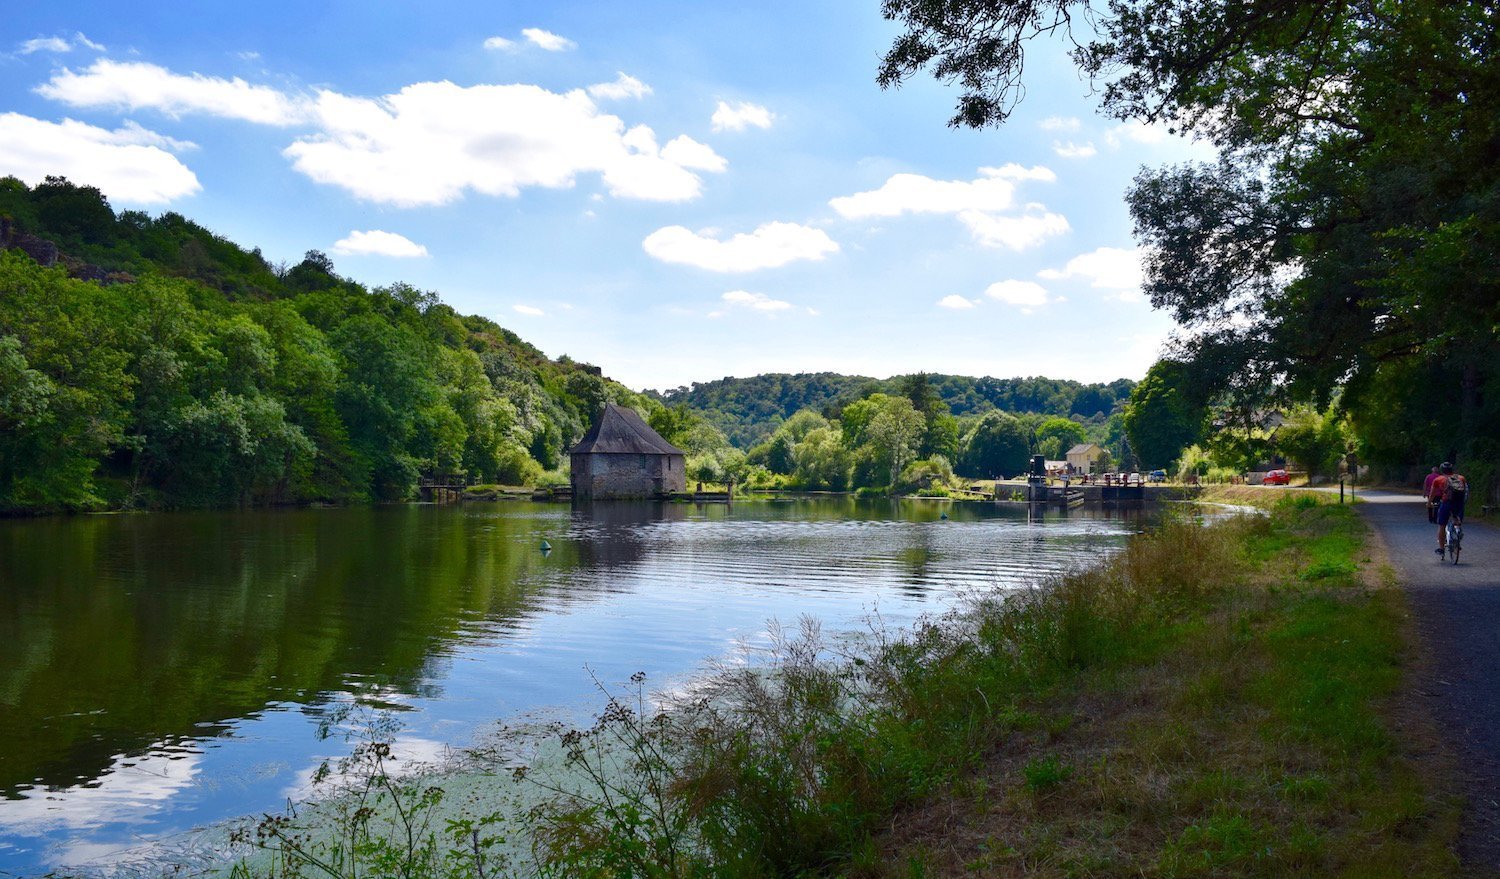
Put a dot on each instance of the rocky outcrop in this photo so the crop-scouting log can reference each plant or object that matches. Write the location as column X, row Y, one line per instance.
column 40, row 249
column 46, row 254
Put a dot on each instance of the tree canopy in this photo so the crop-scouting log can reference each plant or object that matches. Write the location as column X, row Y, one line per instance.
column 160, row 365
column 1346, row 244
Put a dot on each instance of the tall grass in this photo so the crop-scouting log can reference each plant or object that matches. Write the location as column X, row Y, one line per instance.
column 794, row 769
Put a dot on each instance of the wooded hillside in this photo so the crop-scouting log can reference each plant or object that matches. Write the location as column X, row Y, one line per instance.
column 145, row 361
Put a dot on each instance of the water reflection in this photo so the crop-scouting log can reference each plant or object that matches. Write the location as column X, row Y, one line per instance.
column 118, row 631
column 160, row 671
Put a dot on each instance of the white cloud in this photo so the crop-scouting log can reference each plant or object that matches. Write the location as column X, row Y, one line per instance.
column 530, row 310
column 756, row 301
column 994, row 190
column 1108, row 268
column 688, row 153
column 500, row 43
column 428, row 143
column 1071, row 150
column 1137, row 132
column 978, row 203
column 128, row 164
column 58, row 44
column 132, row 132
column 741, row 116
column 1060, row 123
column 378, row 243
column 1027, row 230
column 1026, row 295
column 248, row 55
column 137, row 85
column 547, row 40
column 957, row 302
column 46, row 44
column 624, row 86
column 769, row 246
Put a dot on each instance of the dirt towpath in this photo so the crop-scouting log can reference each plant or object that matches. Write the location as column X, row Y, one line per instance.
column 1457, row 611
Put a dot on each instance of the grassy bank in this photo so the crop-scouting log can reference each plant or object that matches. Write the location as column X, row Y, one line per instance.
column 1213, row 701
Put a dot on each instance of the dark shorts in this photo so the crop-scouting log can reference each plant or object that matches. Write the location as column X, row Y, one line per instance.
column 1450, row 509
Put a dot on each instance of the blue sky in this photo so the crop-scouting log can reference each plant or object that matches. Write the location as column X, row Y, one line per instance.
column 675, row 192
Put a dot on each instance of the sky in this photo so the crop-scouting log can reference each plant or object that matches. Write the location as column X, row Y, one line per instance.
column 675, row 192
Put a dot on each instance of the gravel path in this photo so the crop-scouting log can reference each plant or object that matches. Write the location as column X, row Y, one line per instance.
column 1457, row 610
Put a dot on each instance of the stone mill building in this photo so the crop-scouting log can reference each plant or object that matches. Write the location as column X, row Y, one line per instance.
column 622, row 457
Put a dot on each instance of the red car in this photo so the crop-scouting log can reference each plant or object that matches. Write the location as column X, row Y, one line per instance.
column 1277, row 477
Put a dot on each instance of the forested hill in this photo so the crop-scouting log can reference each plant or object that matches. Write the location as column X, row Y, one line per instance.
column 749, row 409
column 146, row 362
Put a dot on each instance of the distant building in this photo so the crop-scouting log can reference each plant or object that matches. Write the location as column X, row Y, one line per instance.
column 622, row 457
column 1083, row 456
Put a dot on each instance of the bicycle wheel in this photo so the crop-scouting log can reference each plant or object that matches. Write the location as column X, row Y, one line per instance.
column 1455, row 543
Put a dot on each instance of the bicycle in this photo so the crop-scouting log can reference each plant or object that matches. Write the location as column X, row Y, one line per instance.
column 1455, row 539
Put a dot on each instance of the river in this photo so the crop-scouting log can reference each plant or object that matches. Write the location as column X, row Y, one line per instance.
column 165, row 671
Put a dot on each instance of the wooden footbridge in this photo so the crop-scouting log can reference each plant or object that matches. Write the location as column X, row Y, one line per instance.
column 442, row 488
column 1065, row 496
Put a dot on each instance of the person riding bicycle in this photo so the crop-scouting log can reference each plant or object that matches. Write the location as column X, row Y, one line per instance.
column 1450, row 490
column 1427, row 495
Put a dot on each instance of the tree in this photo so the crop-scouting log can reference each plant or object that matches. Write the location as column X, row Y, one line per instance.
column 1316, row 440
column 822, row 460
column 77, row 214
column 894, row 435
column 589, row 392
column 1054, row 436
column 1349, row 233
column 996, row 446
column 1162, row 418
column 386, row 382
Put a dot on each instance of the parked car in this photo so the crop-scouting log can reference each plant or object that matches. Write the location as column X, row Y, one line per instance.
column 1277, row 477
column 1158, row 476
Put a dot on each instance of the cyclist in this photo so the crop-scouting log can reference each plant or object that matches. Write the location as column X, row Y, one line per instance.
column 1427, row 495
column 1450, row 490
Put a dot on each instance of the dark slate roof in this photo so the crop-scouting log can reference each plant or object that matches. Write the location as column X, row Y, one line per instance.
column 620, row 431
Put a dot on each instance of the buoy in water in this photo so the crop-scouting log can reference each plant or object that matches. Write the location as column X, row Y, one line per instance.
column 546, row 547
column 943, row 516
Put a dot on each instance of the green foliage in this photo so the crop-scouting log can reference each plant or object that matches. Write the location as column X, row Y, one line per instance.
column 1315, row 440
column 884, row 434
column 822, row 460
column 1346, row 243
column 996, row 446
column 1045, row 773
column 926, row 478
column 749, row 410
column 1163, row 418
column 1054, row 436
column 199, row 376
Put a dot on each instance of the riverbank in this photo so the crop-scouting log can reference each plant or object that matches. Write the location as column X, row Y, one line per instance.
column 1216, row 700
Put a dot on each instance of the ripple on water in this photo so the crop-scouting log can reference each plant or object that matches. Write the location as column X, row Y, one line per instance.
column 167, row 671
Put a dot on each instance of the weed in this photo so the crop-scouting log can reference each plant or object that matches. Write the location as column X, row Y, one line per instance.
column 376, row 822
column 1045, row 773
